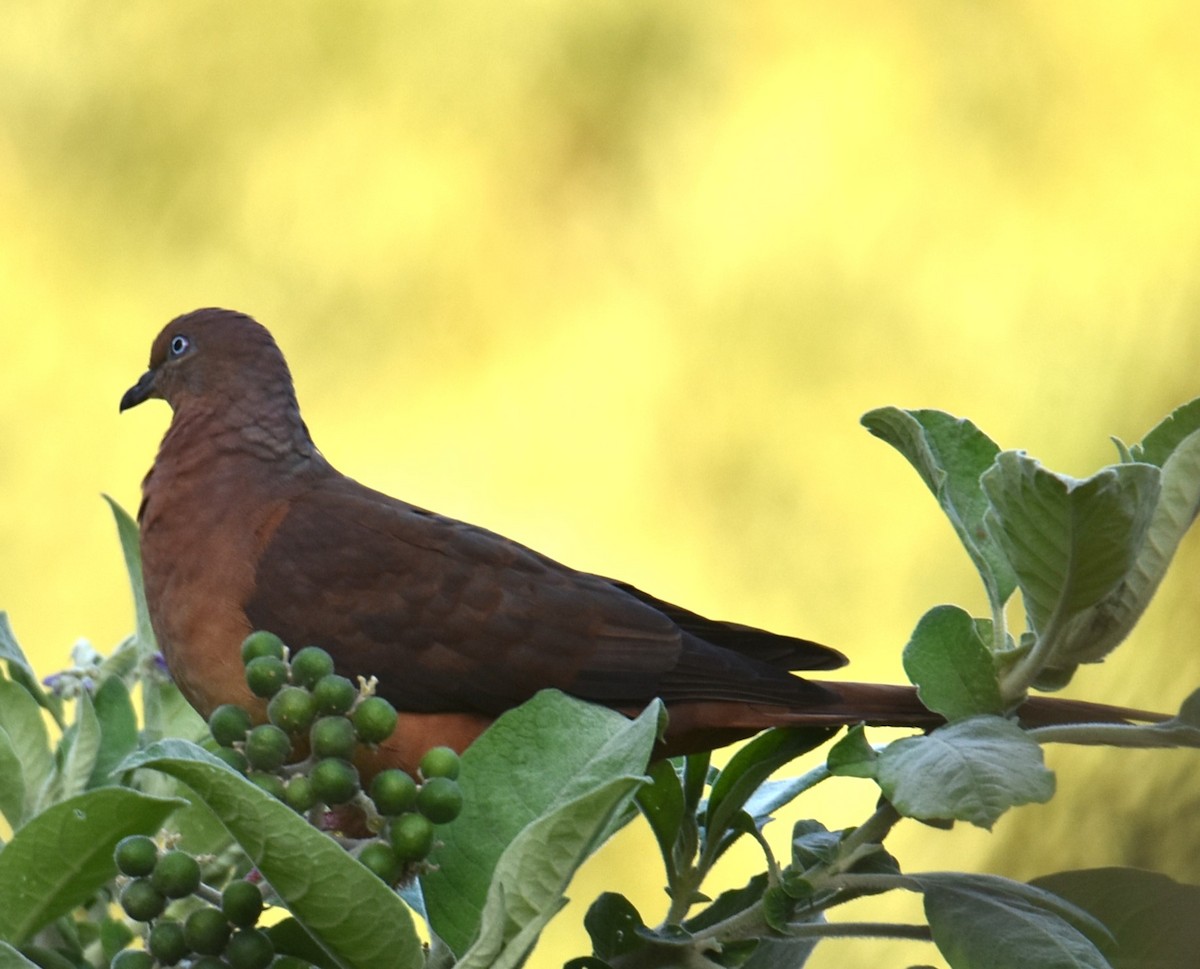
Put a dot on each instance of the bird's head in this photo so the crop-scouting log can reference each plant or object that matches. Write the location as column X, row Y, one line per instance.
column 214, row 354
column 226, row 372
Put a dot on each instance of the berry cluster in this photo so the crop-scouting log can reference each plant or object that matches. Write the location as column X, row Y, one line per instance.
column 303, row 755
column 310, row 707
column 220, row 930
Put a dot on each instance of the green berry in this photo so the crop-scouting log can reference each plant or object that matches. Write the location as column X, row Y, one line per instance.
column 411, row 836
column 298, row 794
column 381, row 860
column 250, row 949
column 265, row 675
column 206, row 931
column 242, row 903
column 374, row 720
column 334, row 781
column 132, row 959
column 292, row 709
column 310, row 665
column 393, row 791
column 135, row 855
column 209, row 962
column 271, row 783
column 142, row 901
column 334, row 694
column 440, row 762
column 262, row 643
column 228, row 724
column 267, row 747
column 167, row 943
column 176, row 874
column 440, row 799
column 234, row 758
column 333, row 737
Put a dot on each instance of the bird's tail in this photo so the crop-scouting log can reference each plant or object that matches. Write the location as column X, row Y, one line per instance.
column 705, row 724
column 882, row 704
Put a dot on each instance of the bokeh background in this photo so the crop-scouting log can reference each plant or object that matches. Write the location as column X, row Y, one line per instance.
column 618, row 279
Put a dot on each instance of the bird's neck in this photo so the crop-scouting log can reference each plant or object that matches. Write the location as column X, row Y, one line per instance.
column 256, row 430
column 212, row 458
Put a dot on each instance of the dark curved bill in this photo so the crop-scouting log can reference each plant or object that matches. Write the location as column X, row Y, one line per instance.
column 142, row 390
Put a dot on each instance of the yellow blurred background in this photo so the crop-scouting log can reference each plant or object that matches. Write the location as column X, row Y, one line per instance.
column 617, row 279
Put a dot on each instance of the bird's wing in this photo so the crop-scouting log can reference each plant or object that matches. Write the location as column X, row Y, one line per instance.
column 451, row 617
column 786, row 652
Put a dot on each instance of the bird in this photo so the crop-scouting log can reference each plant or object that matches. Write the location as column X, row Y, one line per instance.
column 244, row 525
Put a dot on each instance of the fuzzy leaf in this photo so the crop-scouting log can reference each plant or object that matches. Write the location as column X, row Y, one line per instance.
column 21, row 719
column 1152, row 916
column 985, row 922
column 1102, row 630
column 1072, row 543
column 83, row 747
column 972, row 770
column 131, row 549
column 950, row 665
column 532, row 813
column 118, row 728
column 661, row 802
column 950, row 455
column 10, row 958
column 79, row 835
column 1164, row 438
column 21, row 671
column 752, row 764
column 852, row 755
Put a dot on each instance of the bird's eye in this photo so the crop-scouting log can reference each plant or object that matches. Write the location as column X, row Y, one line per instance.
column 178, row 345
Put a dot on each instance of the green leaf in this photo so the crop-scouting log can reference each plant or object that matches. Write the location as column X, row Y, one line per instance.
column 950, row 455
column 1164, row 439
column 1189, row 710
column 10, row 958
column 728, row 904
column 290, row 939
column 813, row 844
column 972, row 770
column 127, row 532
column 661, row 802
column 614, row 926
column 166, row 712
column 772, row 795
column 79, row 836
column 985, row 922
column 696, row 768
column 752, row 764
column 323, row 887
column 777, row 908
column 22, row 672
column 82, row 747
column 951, row 667
column 12, row 782
column 532, row 812
column 1152, row 917
column 21, row 719
column 1072, row 543
column 533, row 872
column 1101, row 631
column 118, row 728
column 852, row 755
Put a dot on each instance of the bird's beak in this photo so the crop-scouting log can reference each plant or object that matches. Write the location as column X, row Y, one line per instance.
column 142, row 390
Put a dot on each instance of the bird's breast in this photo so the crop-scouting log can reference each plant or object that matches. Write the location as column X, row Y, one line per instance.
column 201, row 537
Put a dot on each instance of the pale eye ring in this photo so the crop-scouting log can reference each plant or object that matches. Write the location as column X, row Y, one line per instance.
column 179, row 345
